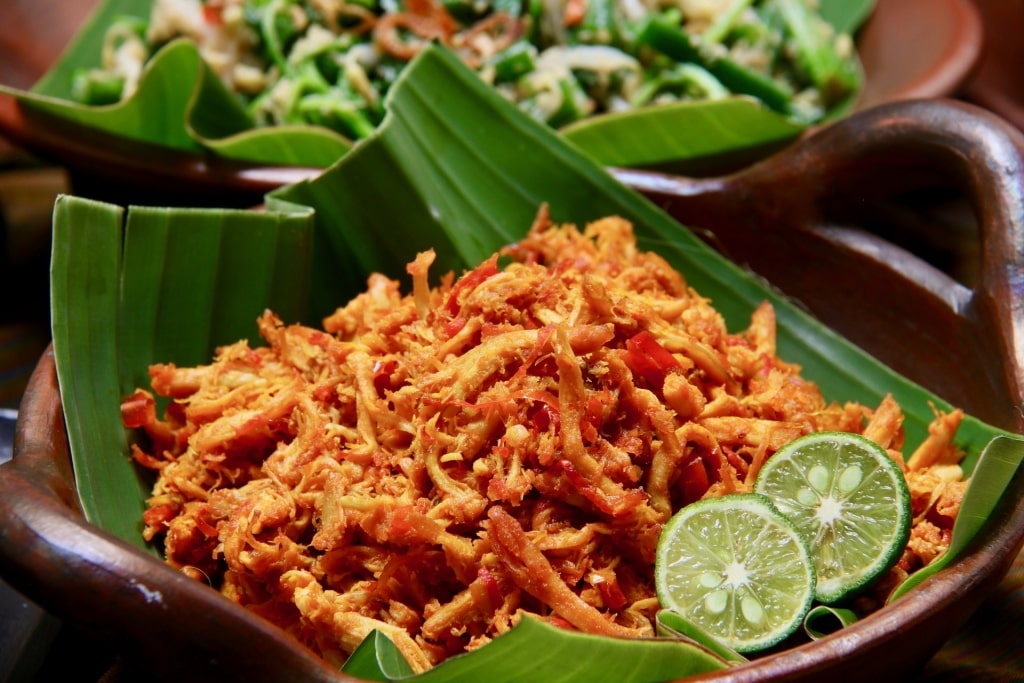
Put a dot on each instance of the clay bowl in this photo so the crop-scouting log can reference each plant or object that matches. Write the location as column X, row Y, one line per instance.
column 803, row 220
column 909, row 49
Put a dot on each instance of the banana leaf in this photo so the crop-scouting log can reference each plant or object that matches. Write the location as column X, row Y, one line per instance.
column 674, row 625
column 536, row 651
column 128, row 287
column 181, row 104
column 456, row 168
column 673, row 137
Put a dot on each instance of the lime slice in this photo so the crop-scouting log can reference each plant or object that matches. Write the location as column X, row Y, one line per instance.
column 849, row 498
column 737, row 568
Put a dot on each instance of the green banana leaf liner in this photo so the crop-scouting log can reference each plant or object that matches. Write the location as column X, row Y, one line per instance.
column 180, row 104
column 456, row 168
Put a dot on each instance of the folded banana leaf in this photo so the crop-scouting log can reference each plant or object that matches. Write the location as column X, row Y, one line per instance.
column 181, row 104
column 456, row 168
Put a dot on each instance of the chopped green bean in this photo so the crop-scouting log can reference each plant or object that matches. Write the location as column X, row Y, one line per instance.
column 96, row 87
column 724, row 23
column 598, row 26
column 660, row 32
column 774, row 94
column 680, row 46
column 516, row 60
column 816, row 47
column 277, row 29
column 346, row 117
column 687, row 81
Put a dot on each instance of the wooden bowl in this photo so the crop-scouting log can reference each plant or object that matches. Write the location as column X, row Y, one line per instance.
column 799, row 220
column 909, row 49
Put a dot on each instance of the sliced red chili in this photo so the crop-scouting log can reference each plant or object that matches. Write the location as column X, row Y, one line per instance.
column 159, row 516
column 382, row 376
column 469, row 281
column 694, row 481
column 649, row 360
column 614, row 506
column 612, row 594
column 212, row 15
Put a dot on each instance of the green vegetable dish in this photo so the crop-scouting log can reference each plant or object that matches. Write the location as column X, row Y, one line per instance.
column 331, row 62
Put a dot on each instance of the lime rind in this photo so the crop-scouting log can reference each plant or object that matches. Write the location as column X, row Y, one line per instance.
column 736, row 568
column 851, row 501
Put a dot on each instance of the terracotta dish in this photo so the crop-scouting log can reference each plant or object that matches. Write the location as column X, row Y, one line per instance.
column 803, row 227
column 909, row 48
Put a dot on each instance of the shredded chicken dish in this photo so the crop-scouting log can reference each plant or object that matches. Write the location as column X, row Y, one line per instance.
column 510, row 442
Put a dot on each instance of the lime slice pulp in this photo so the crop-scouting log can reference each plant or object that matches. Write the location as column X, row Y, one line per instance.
column 849, row 498
column 737, row 568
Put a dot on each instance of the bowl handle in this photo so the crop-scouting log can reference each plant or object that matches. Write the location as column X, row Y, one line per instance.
column 811, row 205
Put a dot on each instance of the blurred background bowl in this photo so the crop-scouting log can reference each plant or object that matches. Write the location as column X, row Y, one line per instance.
column 909, row 49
